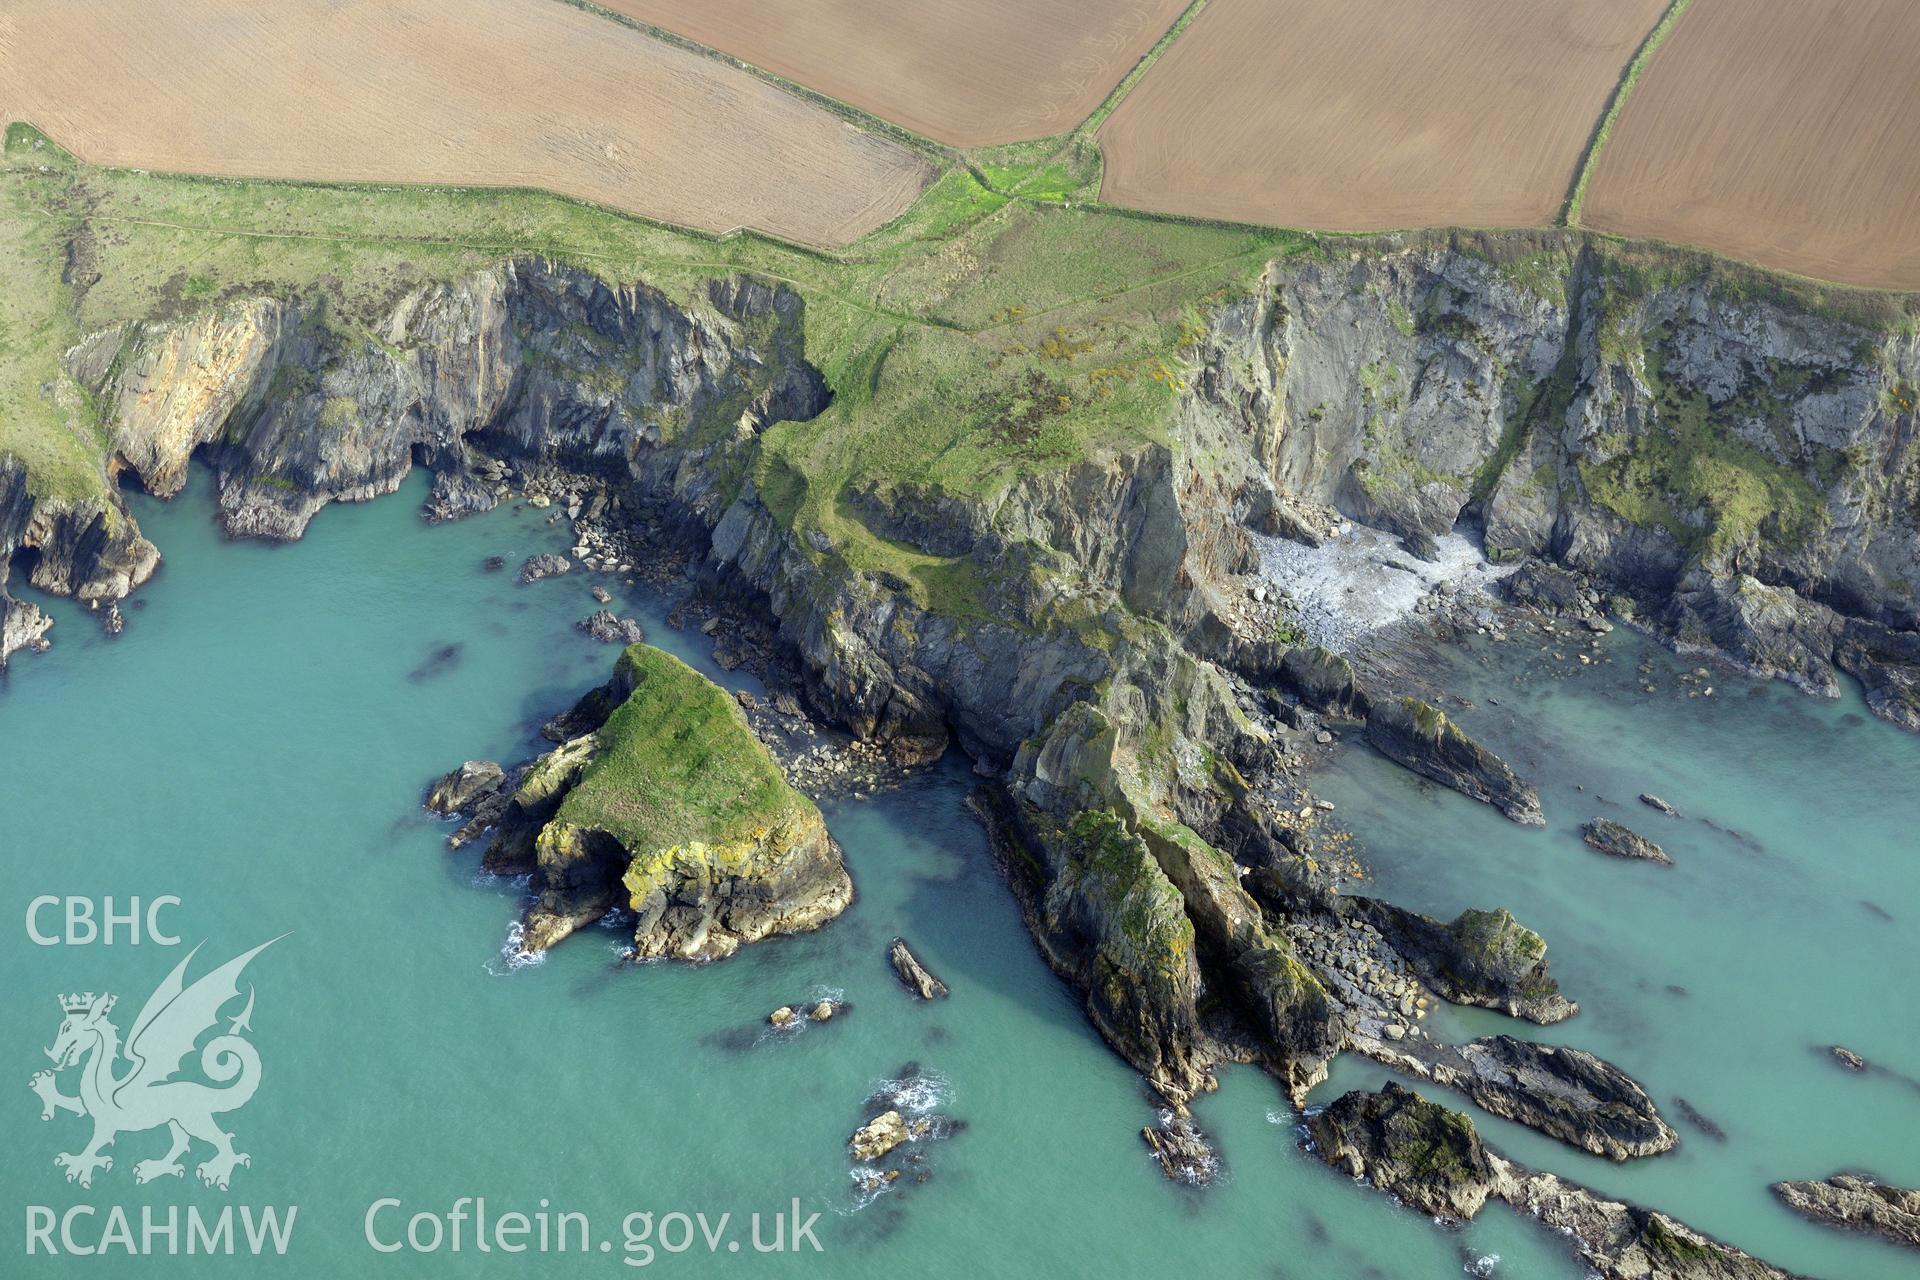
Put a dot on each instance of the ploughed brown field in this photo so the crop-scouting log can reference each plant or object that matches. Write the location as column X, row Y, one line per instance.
column 529, row 93
column 969, row 73
column 1780, row 131
column 1368, row 115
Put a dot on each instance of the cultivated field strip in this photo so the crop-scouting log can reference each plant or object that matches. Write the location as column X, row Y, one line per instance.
column 1372, row 114
column 1779, row 131
column 527, row 93
column 968, row 73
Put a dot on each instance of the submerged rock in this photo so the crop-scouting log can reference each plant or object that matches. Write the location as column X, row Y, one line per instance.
column 1699, row 1121
column 1846, row 1200
column 1618, row 841
column 1433, row 1160
column 914, row 974
column 1421, row 737
column 544, row 566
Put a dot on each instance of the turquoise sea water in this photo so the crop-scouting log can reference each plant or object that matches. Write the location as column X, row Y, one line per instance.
column 256, row 743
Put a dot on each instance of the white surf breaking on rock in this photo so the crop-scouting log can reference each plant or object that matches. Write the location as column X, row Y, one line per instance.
column 1350, row 587
column 514, row 953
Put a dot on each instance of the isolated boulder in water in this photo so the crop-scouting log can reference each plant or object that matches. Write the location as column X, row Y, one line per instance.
column 1182, row 1150
column 544, row 566
column 879, row 1136
column 603, row 626
column 1615, row 840
column 912, row 972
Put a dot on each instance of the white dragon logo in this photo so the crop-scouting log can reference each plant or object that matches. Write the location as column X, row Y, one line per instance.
column 146, row 1096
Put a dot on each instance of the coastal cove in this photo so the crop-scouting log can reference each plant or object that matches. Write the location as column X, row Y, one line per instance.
column 314, row 688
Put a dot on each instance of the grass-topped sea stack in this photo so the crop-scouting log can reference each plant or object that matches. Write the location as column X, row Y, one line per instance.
column 664, row 801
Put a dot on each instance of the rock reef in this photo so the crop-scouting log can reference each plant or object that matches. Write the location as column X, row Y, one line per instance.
column 1434, row 1161
column 1619, row 841
column 1564, row 1093
column 1847, row 1200
column 1422, row 737
column 913, row 974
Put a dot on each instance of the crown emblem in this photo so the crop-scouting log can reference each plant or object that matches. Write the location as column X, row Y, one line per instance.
column 83, row 1002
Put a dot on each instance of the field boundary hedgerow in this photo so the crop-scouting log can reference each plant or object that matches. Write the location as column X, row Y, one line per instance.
column 1603, row 128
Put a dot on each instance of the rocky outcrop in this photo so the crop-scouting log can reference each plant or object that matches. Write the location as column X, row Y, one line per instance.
column 604, row 626
column 1618, row 841
column 912, row 973
column 1484, row 958
column 462, row 788
column 22, row 626
column 1434, row 1161
column 881, row 1135
column 1322, row 680
column 1565, row 1093
column 1425, row 1156
column 1847, row 1200
column 665, row 804
column 1732, row 453
column 84, row 546
column 1421, row 737
column 1143, row 913
column 543, row 566
column 1407, row 386
column 1183, row 1152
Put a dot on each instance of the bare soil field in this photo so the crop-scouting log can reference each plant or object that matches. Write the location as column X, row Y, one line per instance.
column 1369, row 115
column 526, row 93
column 969, row 73
column 1779, row 131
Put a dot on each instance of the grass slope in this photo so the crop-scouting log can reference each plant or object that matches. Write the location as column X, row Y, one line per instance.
column 678, row 763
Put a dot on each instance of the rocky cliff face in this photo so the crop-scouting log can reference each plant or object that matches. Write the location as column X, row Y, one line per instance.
column 1737, row 458
column 1738, row 469
column 528, row 360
